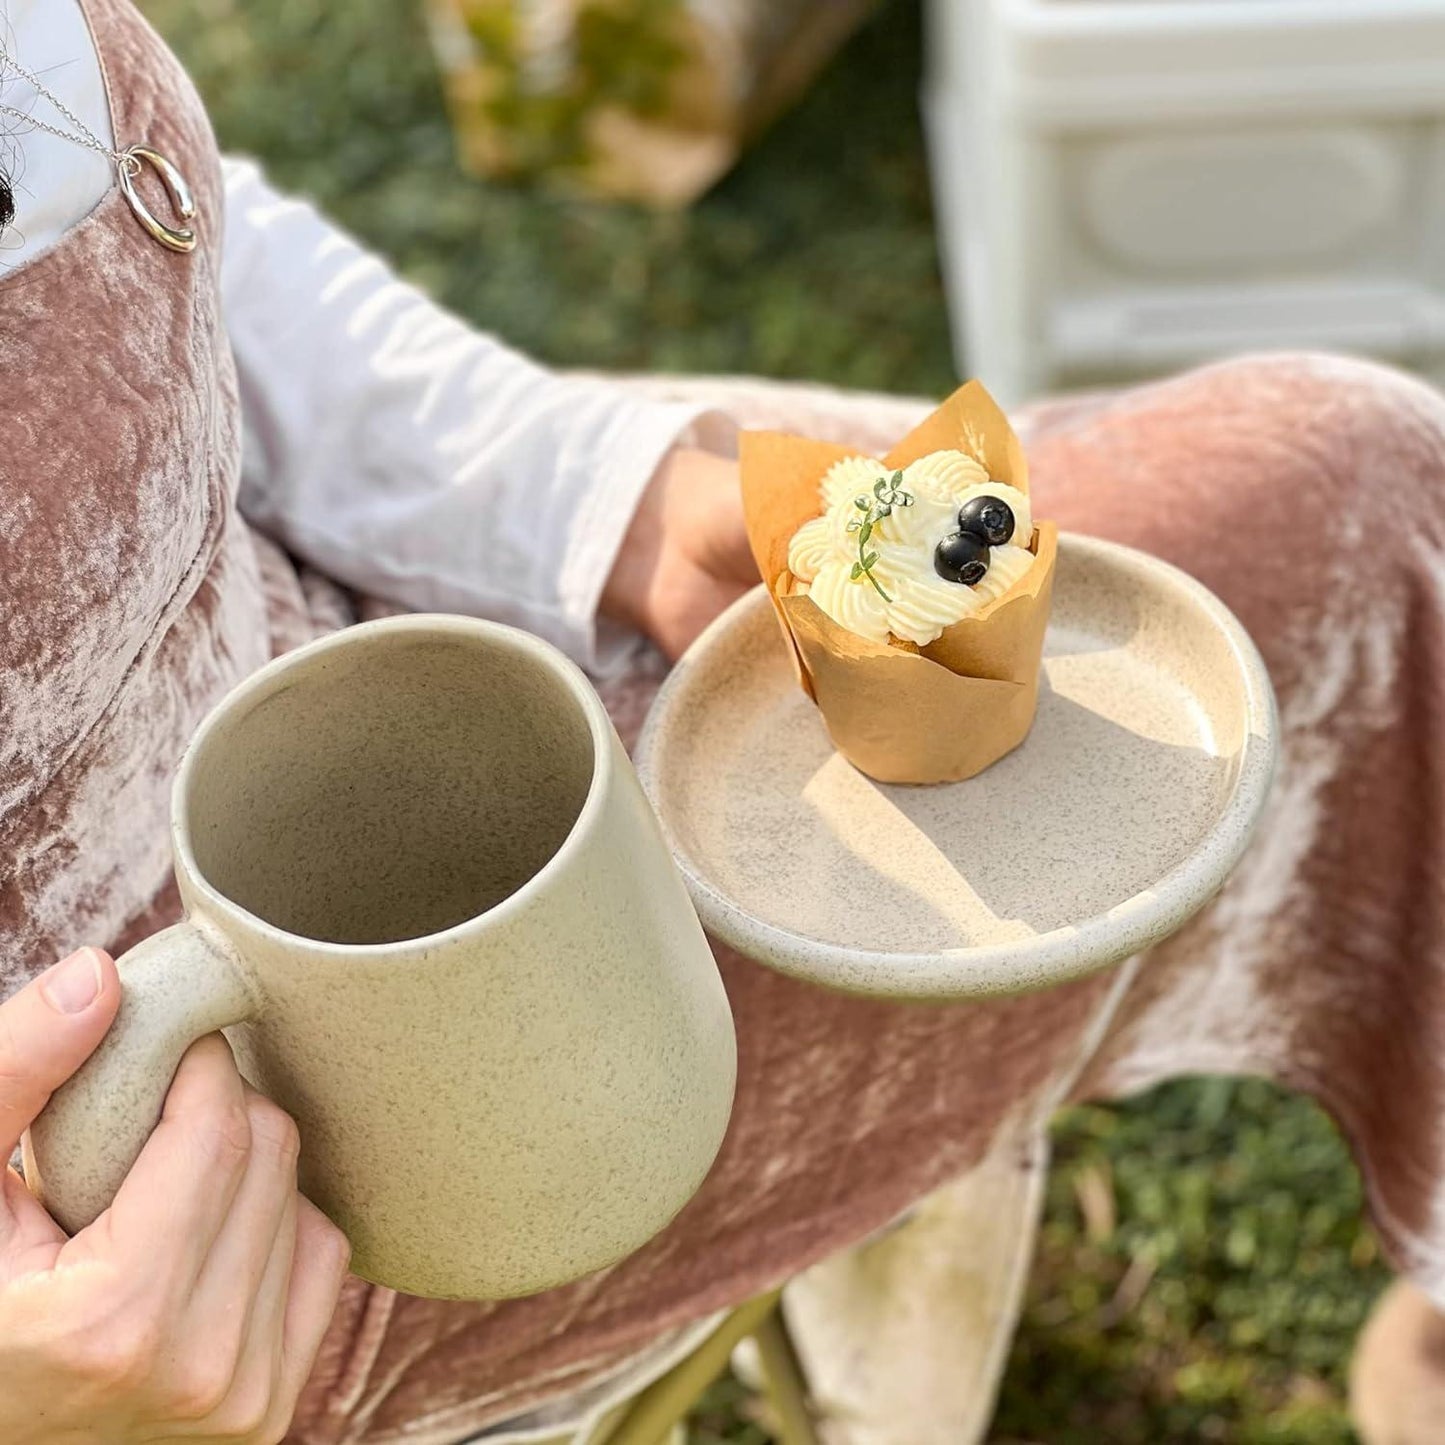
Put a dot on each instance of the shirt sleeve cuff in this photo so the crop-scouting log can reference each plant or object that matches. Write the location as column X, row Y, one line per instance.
column 638, row 437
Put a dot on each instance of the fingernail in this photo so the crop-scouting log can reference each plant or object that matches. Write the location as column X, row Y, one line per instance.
column 74, row 983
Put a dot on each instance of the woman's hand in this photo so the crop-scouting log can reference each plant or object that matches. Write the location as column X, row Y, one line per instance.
column 194, row 1306
column 686, row 555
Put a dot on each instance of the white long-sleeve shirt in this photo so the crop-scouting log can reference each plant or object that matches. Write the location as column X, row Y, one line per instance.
column 385, row 441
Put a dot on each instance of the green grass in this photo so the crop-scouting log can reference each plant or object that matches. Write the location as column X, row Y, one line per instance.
column 1202, row 1267
column 1202, row 1271
column 814, row 259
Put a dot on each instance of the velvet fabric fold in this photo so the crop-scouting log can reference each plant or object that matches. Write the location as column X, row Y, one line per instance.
column 130, row 594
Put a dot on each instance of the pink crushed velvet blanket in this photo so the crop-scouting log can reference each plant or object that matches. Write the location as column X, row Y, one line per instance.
column 1310, row 494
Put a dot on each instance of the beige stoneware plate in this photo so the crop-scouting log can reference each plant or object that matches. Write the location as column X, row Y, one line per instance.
column 1120, row 816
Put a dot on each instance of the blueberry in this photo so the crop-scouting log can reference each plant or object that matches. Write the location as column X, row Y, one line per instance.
column 991, row 517
column 962, row 557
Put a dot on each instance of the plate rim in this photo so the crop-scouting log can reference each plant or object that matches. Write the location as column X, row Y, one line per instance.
column 1044, row 959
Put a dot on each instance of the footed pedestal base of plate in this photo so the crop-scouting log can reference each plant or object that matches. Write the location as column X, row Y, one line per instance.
column 1121, row 814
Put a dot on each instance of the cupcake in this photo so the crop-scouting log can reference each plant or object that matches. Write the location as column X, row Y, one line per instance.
column 913, row 589
column 898, row 557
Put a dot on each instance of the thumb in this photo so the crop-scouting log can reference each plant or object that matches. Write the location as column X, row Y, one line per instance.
column 47, row 1031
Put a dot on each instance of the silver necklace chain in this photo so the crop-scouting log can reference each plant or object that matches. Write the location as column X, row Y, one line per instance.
column 87, row 137
column 128, row 163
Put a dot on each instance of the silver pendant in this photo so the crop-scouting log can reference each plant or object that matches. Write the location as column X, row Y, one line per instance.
column 181, row 238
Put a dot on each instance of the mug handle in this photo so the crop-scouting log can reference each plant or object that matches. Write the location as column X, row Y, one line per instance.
column 177, row 986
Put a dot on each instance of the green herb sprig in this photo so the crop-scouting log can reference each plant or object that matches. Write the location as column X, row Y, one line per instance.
column 887, row 494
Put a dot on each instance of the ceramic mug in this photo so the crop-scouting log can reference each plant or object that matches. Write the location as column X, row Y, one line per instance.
column 432, row 909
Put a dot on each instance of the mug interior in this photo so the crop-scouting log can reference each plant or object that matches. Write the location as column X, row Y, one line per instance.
column 391, row 788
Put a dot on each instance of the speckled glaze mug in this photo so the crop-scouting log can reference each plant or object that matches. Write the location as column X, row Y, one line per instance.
column 432, row 909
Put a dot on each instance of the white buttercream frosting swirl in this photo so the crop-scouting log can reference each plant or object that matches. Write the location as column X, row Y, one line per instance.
column 919, row 604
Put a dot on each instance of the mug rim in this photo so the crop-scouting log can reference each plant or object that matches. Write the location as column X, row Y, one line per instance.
column 264, row 682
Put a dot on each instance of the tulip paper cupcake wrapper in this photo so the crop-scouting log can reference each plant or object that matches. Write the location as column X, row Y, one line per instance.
column 932, row 715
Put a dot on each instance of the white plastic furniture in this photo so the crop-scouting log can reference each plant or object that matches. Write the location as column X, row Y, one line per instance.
column 1125, row 186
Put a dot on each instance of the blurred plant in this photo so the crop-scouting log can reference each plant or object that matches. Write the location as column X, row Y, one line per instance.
column 541, row 86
